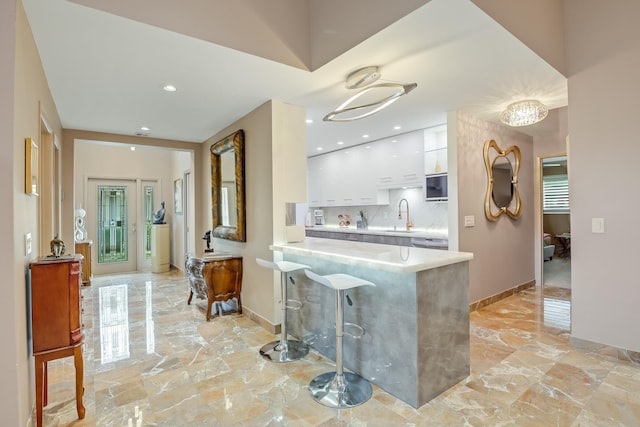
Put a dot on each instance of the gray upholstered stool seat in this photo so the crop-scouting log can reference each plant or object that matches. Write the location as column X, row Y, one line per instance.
column 284, row 350
column 340, row 389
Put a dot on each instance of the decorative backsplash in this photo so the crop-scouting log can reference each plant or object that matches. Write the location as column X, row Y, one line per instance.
column 425, row 216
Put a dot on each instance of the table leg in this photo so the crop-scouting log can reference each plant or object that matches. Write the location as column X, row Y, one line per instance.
column 77, row 359
column 45, row 393
column 40, row 375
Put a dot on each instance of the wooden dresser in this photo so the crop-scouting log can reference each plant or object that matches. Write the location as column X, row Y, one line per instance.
column 84, row 249
column 56, row 322
column 214, row 279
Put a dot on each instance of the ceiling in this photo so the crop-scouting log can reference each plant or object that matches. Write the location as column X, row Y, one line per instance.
column 106, row 74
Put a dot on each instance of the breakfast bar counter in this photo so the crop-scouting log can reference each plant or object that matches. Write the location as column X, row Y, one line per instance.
column 416, row 318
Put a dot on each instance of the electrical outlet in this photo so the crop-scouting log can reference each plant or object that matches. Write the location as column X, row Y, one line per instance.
column 27, row 244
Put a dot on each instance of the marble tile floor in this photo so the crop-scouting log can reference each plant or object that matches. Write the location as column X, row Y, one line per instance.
column 152, row 360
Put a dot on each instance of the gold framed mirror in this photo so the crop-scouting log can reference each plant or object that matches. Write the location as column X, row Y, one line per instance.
column 227, row 187
column 502, row 189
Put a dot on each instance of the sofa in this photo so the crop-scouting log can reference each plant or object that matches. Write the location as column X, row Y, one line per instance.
column 547, row 248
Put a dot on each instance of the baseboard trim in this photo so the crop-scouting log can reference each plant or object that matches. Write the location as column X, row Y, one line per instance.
column 607, row 351
column 477, row 305
column 274, row 329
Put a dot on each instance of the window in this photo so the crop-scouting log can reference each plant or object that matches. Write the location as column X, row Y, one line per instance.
column 555, row 194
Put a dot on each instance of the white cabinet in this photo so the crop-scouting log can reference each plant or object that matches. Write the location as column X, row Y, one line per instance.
column 363, row 175
column 435, row 150
column 398, row 162
column 160, row 249
column 343, row 178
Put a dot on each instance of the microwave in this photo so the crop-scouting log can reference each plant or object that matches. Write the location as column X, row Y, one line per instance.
column 435, row 187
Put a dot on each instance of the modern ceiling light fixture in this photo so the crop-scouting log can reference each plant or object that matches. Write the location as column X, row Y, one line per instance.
column 384, row 94
column 524, row 113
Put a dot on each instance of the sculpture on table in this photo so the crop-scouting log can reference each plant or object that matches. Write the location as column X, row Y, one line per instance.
column 207, row 237
column 57, row 247
column 158, row 216
column 80, row 234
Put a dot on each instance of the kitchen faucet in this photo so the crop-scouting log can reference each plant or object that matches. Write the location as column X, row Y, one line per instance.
column 409, row 225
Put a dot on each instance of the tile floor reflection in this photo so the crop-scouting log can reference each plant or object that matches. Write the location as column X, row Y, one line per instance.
column 152, row 360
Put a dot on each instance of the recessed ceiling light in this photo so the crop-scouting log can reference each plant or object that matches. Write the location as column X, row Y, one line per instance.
column 365, row 136
column 319, row 148
column 309, row 121
column 397, row 127
column 340, row 142
column 145, row 129
column 395, row 140
column 367, row 147
column 133, row 148
column 347, row 152
column 169, row 88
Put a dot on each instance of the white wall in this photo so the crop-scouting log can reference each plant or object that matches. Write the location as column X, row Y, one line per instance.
column 22, row 95
column 275, row 173
column 11, row 397
column 603, row 52
column 503, row 250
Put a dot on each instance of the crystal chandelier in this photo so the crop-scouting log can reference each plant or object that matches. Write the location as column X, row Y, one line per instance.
column 524, row 113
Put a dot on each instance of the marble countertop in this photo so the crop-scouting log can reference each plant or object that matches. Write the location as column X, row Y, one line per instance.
column 429, row 234
column 396, row 259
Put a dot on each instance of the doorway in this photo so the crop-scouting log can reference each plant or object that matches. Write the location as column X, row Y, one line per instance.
column 556, row 223
column 114, row 207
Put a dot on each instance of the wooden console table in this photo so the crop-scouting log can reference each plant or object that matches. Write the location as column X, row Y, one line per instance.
column 84, row 249
column 214, row 279
column 56, row 322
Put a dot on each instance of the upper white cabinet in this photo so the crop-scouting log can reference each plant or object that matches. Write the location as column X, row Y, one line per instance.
column 398, row 161
column 363, row 175
column 435, row 150
column 342, row 178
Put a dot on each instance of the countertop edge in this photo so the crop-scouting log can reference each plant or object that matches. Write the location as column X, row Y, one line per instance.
column 340, row 255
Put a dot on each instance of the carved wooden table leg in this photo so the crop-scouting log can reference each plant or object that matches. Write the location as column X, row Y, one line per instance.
column 79, row 364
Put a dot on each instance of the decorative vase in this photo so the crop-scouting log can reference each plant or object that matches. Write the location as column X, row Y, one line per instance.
column 57, row 247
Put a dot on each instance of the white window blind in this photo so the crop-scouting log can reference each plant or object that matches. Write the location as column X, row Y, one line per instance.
column 555, row 194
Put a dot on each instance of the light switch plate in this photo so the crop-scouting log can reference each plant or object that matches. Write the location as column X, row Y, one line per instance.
column 597, row 225
column 470, row 221
column 27, row 243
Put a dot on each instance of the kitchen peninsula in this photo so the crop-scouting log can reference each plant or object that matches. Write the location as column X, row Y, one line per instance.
column 416, row 318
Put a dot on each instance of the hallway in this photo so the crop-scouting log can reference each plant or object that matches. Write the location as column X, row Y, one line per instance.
column 150, row 359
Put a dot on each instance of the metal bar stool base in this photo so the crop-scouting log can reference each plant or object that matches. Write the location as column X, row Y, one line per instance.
column 335, row 391
column 278, row 353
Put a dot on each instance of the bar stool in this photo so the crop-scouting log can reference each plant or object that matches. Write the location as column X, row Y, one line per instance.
column 340, row 389
column 284, row 350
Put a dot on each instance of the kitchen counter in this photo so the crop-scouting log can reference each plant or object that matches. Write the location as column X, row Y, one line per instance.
column 396, row 259
column 421, row 238
column 416, row 318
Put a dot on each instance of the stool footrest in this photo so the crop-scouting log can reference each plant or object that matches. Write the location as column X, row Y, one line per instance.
column 293, row 304
column 358, row 327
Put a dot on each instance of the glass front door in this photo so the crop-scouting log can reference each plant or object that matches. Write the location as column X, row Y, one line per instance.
column 114, row 225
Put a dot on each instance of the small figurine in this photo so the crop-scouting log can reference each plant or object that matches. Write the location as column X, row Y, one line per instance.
column 158, row 216
column 57, row 247
column 207, row 237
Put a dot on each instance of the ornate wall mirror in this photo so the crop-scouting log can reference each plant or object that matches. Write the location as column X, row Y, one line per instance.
column 502, row 189
column 227, row 187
